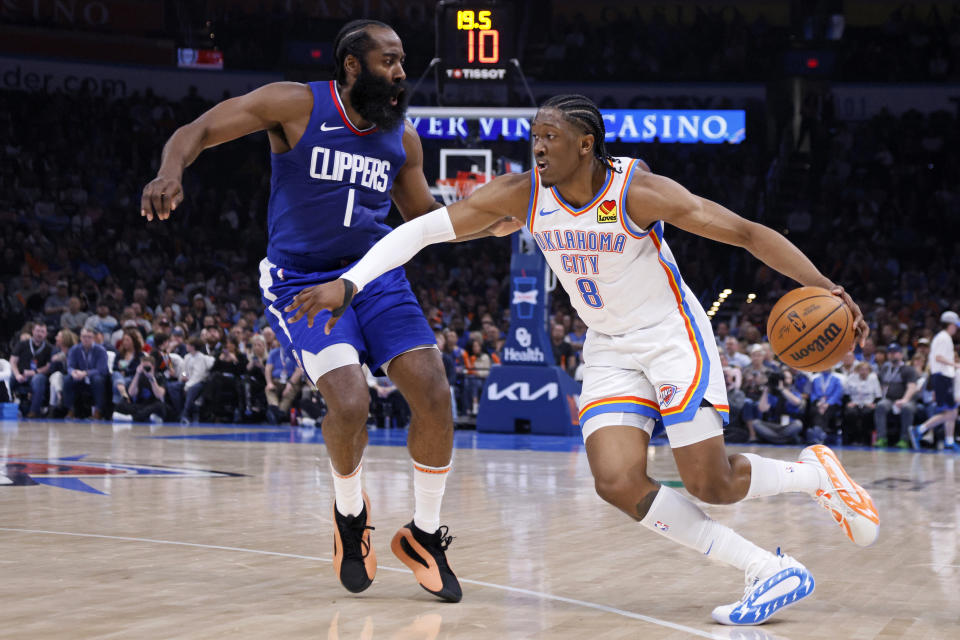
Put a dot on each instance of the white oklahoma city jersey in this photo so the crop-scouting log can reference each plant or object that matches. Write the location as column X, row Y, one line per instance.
column 650, row 352
column 619, row 277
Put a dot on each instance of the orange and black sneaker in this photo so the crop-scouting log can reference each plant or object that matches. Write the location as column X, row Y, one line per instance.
column 354, row 561
column 424, row 554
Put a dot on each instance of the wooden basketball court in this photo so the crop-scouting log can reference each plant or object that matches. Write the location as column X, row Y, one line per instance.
column 217, row 532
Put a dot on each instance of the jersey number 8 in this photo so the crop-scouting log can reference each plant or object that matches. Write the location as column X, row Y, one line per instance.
column 590, row 292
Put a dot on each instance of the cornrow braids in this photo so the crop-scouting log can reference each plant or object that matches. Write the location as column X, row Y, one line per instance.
column 581, row 110
column 354, row 40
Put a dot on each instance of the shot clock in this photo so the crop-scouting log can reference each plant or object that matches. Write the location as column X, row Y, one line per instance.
column 476, row 43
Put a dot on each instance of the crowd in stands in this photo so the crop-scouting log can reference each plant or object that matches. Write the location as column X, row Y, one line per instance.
column 82, row 273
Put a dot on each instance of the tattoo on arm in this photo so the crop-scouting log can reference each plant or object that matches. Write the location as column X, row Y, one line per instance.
column 646, row 502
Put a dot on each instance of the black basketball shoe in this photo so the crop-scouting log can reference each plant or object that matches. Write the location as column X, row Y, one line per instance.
column 424, row 554
column 354, row 561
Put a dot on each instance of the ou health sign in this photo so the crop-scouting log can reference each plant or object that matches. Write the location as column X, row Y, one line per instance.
column 624, row 125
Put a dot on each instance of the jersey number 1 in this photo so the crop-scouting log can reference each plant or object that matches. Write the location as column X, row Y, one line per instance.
column 590, row 292
column 348, row 215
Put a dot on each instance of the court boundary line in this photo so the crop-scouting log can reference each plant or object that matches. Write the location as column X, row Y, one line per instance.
column 491, row 585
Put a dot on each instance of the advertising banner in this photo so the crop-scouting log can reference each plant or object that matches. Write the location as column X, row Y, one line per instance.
column 120, row 81
column 624, row 125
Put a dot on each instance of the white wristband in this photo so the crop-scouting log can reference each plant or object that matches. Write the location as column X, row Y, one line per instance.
column 401, row 244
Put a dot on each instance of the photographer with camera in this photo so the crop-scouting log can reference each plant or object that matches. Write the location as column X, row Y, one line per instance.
column 780, row 407
column 147, row 395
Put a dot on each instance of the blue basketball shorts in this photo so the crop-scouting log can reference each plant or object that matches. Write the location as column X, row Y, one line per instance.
column 943, row 392
column 383, row 321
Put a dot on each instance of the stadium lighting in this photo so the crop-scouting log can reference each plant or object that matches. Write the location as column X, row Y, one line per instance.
column 751, row 296
column 728, row 291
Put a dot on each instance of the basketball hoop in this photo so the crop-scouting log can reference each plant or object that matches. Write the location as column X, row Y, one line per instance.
column 458, row 188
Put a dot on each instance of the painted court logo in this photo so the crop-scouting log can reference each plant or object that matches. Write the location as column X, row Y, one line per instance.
column 72, row 472
column 607, row 211
column 667, row 393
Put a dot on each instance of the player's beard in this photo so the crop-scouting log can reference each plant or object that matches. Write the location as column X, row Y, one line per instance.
column 371, row 94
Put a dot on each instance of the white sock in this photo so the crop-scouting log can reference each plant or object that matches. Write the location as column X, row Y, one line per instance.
column 948, row 441
column 677, row 518
column 349, row 491
column 428, row 486
column 769, row 477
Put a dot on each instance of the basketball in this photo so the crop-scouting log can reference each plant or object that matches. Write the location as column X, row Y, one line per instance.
column 810, row 329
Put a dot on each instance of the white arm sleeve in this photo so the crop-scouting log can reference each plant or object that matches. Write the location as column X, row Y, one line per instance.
column 401, row 244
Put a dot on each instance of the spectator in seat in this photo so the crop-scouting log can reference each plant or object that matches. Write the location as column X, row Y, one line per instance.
column 147, row 395
column 284, row 380
column 58, row 369
column 169, row 365
column 826, row 400
column 563, row 352
column 780, row 408
column 255, row 379
column 126, row 363
column 103, row 321
column 30, row 366
column 388, row 406
column 863, row 391
column 899, row 385
column 196, row 367
column 737, row 358
column 577, row 334
column 87, row 369
column 74, row 317
column 224, row 382
column 56, row 303
column 449, row 367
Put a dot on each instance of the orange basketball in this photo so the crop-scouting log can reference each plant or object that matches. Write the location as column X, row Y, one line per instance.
column 810, row 329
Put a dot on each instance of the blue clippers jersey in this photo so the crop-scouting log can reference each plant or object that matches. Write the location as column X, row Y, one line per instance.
column 330, row 194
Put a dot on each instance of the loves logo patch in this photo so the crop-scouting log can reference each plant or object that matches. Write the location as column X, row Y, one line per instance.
column 607, row 211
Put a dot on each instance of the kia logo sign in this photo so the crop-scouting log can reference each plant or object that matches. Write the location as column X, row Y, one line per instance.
column 520, row 392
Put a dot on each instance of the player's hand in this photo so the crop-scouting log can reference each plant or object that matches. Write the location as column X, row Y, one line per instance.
column 859, row 324
column 505, row 226
column 330, row 296
column 161, row 197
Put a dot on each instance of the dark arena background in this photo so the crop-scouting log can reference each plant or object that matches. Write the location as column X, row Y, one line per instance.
column 204, row 510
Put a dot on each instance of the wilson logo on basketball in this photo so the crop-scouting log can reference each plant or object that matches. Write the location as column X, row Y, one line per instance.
column 607, row 211
column 667, row 393
column 818, row 344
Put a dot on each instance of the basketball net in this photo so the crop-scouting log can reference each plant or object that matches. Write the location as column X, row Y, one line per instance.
column 459, row 187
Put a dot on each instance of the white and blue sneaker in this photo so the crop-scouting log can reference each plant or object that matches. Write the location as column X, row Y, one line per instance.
column 775, row 585
column 913, row 432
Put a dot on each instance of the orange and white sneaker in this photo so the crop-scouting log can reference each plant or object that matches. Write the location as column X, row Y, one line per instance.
column 850, row 505
column 354, row 561
column 424, row 554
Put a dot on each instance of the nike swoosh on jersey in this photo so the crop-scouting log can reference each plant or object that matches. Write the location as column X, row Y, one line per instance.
column 546, row 213
column 324, row 127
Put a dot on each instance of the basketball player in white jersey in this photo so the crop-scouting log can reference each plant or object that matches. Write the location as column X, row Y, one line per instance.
column 650, row 351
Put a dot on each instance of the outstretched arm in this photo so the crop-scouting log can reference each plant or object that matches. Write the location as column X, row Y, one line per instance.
column 652, row 197
column 411, row 193
column 265, row 108
column 504, row 197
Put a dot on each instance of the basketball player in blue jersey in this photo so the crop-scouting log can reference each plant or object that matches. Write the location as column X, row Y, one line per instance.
column 649, row 352
column 341, row 151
